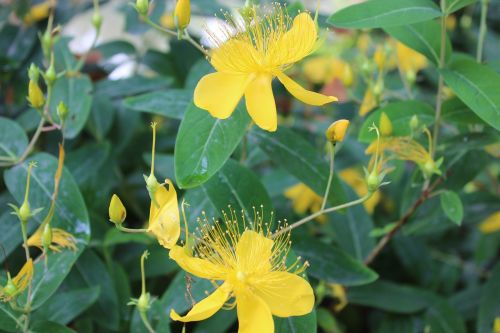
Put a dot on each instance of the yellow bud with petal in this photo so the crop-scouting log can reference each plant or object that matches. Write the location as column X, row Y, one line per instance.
column 117, row 212
column 336, row 131
column 35, row 95
column 385, row 125
column 182, row 14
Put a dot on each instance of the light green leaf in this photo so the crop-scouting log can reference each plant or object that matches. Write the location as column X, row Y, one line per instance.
column 204, row 144
column 423, row 37
column 170, row 103
column 384, row 13
column 477, row 86
column 454, row 5
column 452, row 206
column 301, row 159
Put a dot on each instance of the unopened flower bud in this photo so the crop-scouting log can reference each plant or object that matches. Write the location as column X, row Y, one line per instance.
column 46, row 42
column 385, row 125
column 35, row 95
column 10, row 288
column 62, row 111
column 411, row 76
column 414, row 122
column 97, row 20
column 142, row 6
column 47, row 236
column 378, row 89
column 182, row 14
column 143, row 302
column 50, row 75
column 33, row 72
column 336, row 131
column 25, row 212
column 117, row 212
column 373, row 181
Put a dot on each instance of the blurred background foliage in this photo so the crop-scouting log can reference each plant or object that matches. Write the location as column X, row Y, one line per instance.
column 438, row 273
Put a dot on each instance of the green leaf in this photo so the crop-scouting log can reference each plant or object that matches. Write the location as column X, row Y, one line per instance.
column 86, row 160
column 442, row 317
column 477, row 86
column 388, row 296
column 101, row 117
column 423, row 37
column 75, row 93
column 94, row 273
column 301, row 159
column 13, row 140
column 489, row 306
column 131, row 86
column 233, row 185
column 300, row 324
column 452, row 206
column 170, row 103
column 400, row 114
column 454, row 5
column 384, row 13
column 50, row 326
column 455, row 111
column 63, row 307
column 331, row 264
column 8, row 319
column 398, row 324
column 204, row 144
column 70, row 215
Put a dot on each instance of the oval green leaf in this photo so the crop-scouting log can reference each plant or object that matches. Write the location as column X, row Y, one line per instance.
column 170, row 103
column 13, row 140
column 452, row 206
column 384, row 13
column 204, row 144
column 477, row 86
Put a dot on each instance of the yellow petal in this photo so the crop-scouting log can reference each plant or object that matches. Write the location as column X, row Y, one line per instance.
column 491, row 224
column 164, row 220
column 219, row 93
column 254, row 252
column 286, row 294
column 199, row 267
column 253, row 314
column 296, row 43
column 306, row 96
column 205, row 308
column 368, row 102
column 260, row 103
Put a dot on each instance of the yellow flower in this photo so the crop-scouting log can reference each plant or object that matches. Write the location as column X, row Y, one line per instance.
column 496, row 325
column 336, row 131
column 167, row 20
column 38, row 12
column 182, row 13
column 304, row 199
column 247, row 61
column 116, row 210
column 410, row 62
column 338, row 291
column 164, row 220
column 325, row 69
column 491, row 224
column 60, row 239
column 354, row 178
column 18, row 284
column 369, row 102
column 254, row 272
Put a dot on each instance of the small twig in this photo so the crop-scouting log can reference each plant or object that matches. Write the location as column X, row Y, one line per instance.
column 406, row 217
column 331, row 151
column 482, row 30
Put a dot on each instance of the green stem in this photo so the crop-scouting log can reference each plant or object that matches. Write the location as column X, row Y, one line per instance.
column 124, row 229
column 331, row 151
column 482, row 30
column 439, row 97
column 321, row 212
column 145, row 320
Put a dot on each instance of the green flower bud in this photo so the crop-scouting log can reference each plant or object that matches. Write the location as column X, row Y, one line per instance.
column 373, row 181
column 62, row 111
column 414, row 122
column 46, row 42
column 143, row 302
column 10, row 288
column 33, row 72
column 47, row 236
column 97, row 20
column 25, row 212
column 50, row 75
column 142, row 6
column 378, row 89
column 411, row 76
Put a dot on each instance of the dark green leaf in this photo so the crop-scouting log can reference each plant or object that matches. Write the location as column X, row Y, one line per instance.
column 455, row 111
column 452, row 206
column 170, row 103
column 384, row 13
column 454, row 5
column 131, row 86
column 423, row 37
column 301, row 324
column 204, row 144
column 86, row 161
column 49, row 326
column 301, row 159
column 477, row 86
column 398, row 324
column 489, row 307
column 63, row 307
column 443, row 318
column 331, row 264
column 13, row 140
